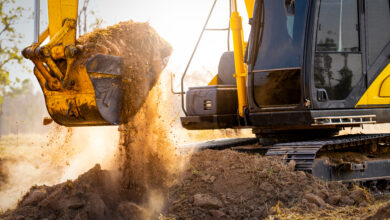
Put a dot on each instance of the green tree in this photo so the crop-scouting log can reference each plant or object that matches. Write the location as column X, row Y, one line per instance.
column 9, row 51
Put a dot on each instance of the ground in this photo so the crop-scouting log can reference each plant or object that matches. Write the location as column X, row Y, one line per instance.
column 212, row 185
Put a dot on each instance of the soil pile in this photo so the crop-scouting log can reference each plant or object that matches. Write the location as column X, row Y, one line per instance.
column 231, row 185
column 90, row 196
column 94, row 195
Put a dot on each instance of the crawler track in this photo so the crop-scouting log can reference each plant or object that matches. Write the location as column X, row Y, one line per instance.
column 306, row 156
column 304, row 153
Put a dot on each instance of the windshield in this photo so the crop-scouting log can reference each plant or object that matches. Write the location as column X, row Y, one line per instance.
column 281, row 40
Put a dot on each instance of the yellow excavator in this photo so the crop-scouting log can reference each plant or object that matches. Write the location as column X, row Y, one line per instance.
column 309, row 69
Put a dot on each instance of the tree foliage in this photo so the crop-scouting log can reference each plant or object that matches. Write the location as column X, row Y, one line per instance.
column 9, row 51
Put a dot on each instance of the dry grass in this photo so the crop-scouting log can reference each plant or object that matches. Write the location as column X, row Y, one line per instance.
column 346, row 212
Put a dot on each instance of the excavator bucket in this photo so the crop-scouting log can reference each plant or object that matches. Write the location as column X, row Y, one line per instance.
column 77, row 92
column 82, row 85
column 90, row 96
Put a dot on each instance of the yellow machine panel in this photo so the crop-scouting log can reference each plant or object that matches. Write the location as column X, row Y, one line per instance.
column 378, row 94
column 385, row 88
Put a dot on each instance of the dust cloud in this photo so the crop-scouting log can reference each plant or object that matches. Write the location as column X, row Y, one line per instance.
column 49, row 159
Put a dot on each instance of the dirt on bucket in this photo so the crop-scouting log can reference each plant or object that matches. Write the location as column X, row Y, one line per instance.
column 144, row 53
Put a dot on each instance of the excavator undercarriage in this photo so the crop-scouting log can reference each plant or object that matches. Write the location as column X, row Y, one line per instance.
column 362, row 158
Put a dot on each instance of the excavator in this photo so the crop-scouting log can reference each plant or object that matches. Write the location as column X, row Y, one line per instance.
column 309, row 69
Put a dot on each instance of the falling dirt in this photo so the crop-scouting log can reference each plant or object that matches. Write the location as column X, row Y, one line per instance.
column 148, row 161
column 144, row 147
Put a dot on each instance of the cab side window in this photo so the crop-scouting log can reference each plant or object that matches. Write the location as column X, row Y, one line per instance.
column 338, row 59
column 378, row 27
column 338, row 26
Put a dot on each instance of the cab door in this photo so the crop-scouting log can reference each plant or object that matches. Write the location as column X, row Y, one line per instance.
column 338, row 79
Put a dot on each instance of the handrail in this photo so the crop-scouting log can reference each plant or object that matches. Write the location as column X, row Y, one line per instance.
column 192, row 56
column 232, row 8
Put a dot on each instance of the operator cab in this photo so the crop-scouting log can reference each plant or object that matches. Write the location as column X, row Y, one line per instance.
column 311, row 65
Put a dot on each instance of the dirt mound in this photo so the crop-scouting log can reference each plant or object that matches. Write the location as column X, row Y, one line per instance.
column 65, row 200
column 94, row 195
column 228, row 184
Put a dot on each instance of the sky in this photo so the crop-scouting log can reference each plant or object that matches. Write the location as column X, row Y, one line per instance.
column 177, row 21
